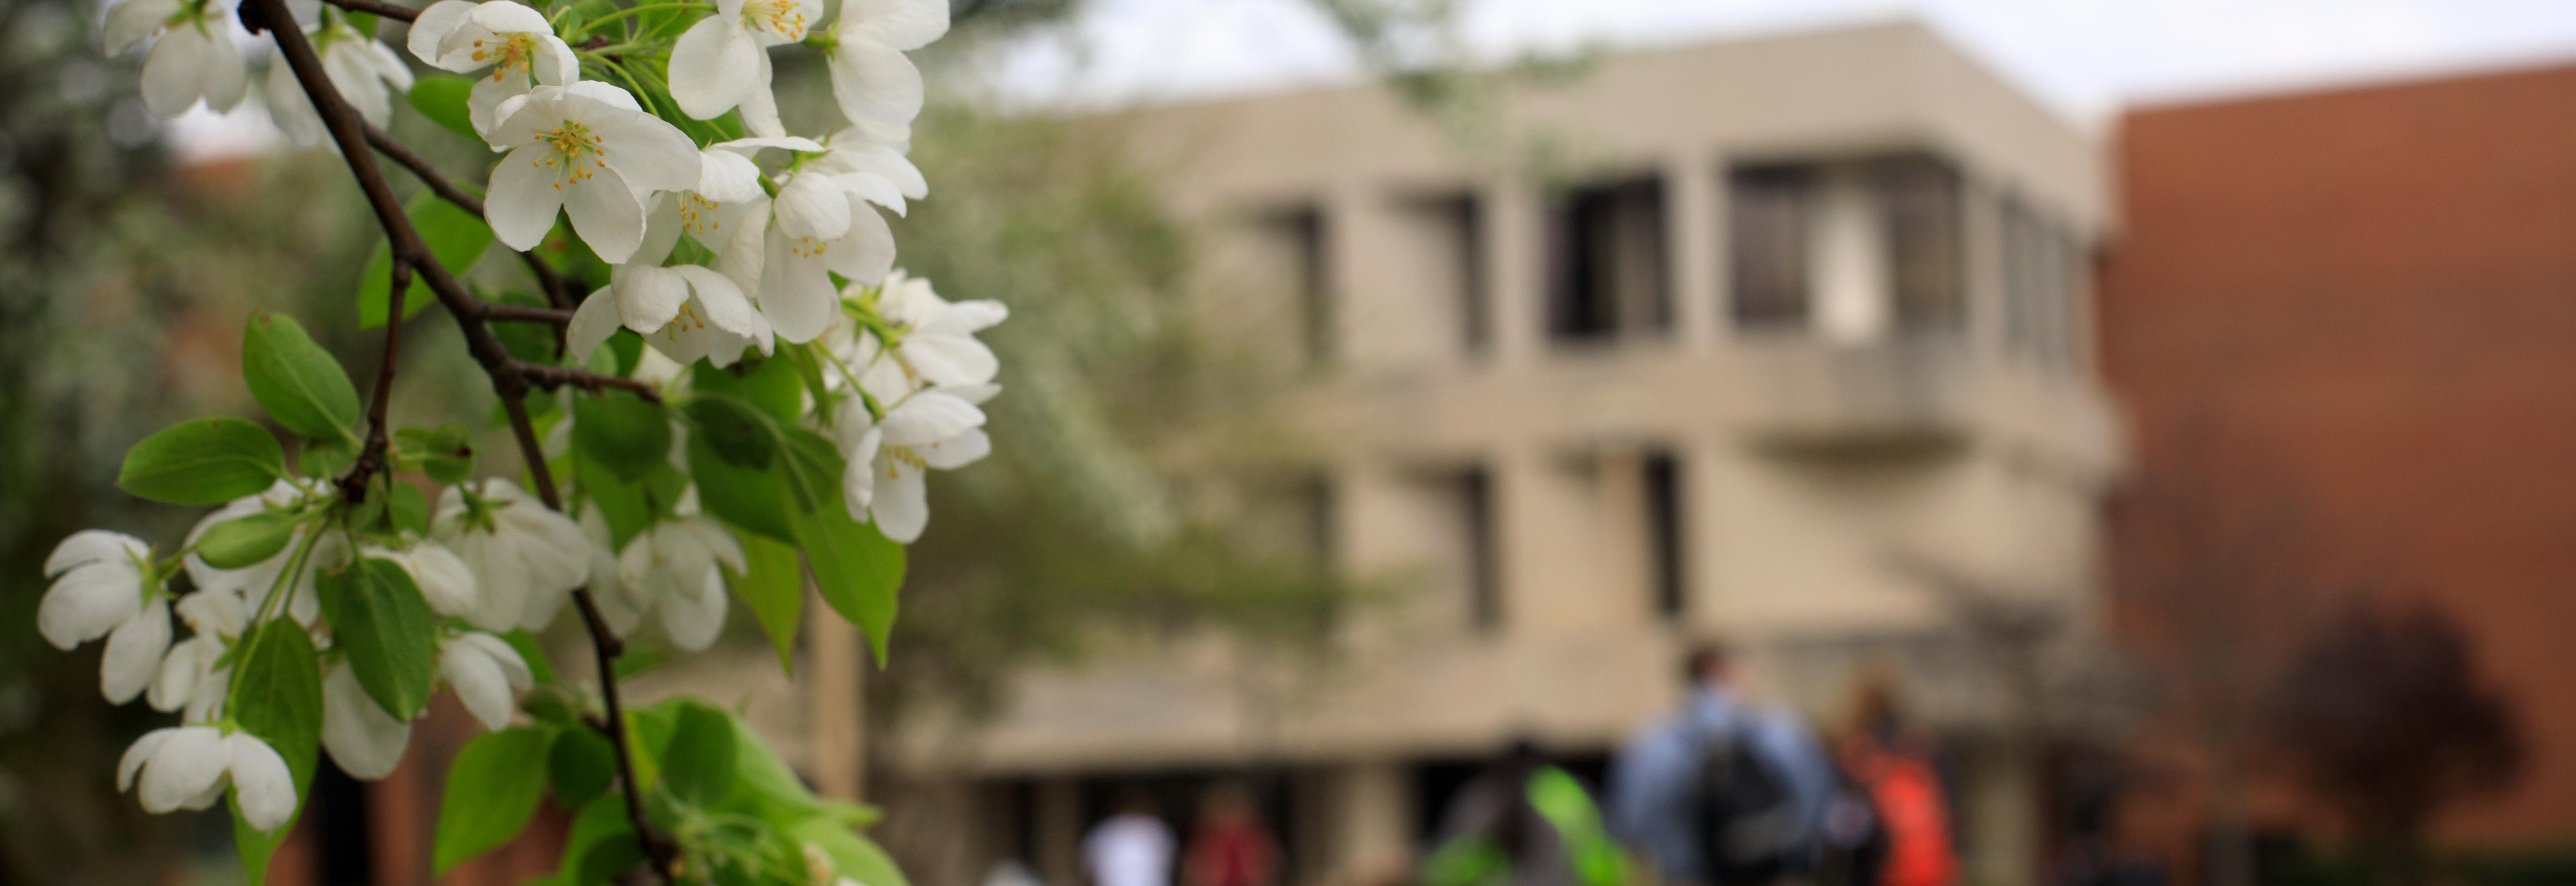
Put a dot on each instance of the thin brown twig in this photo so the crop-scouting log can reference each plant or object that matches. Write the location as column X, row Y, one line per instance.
column 371, row 7
column 371, row 456
column 510, row 377
column 504, row 313
column 552, row 377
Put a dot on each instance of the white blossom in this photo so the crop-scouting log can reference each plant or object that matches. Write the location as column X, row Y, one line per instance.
column 935, row 344
column 444, row 579
column 365, row 740
column 526, row 558
column 818, row 225
column 484, row 670
column 684, row 311
column 366, row 73
column 100, row 582
column 722, row 62
column 591, row 151
column 876, row 86
column 884, row 481
column 185, row 767
column 252, row 584
column 513, row 40
column 194, row 59
column 672, row 566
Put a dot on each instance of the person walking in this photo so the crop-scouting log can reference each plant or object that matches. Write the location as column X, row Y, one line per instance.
column 1231, row 846
column 1523, row 822
column 1131, row 848
column 1895, row 765
column 1725, row 791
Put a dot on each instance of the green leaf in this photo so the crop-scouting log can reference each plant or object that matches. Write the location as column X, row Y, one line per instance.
column 699, row 765
column 767, row 383
column 379, row 619
column 326, row 456
column 533, row 342
column 441, row 98
column 582, row 762
column 445, row 453
column 540, row 668
column 242, row 541
column 208, row 461
column 296, row 380
column 638, row 661
column 626, row 433
column 409, row 507
column 493, row 787
column 774, row 588
column 277, row 695
column 601, row 822
column 763, row 785
column 455, row 237
column 811, row 470
column 748, row 498
column 734, row 428
column 624, row 505
column 857, row 569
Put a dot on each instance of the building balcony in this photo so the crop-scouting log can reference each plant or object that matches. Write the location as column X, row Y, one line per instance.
column 1904, row 394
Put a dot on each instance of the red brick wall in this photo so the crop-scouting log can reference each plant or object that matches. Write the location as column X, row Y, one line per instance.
column 2364, row 301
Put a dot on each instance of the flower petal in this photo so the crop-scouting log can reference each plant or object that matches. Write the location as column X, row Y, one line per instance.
column 897, row 24
column 694, row 619
column 221, row 72
column 181, row 768
column 89, row 601
column 956, row 452
column 592, row 323
column 139, row 752
column 262, row 786
column 867, row 251
column 714, row 64
column 172, row 75
column 135, row 21
column 646, row 297
column 523, row 198
column 94, row 545
column 796, row 291
column 134, row 652
column 875, row 84
column 929, row 417
column 606, row 214
column 478, row 682
column 363, row 739
column 902, row 506
column 436, row 22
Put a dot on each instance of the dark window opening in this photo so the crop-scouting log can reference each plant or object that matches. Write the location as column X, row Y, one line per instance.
column 343, row 844
column 1484, row 572
column 1770, row 210
column 1475, row 308
column 1926, row 243
column 1301, row 231
column 1318, row 504
column 1664, row 532
column 1607, row 267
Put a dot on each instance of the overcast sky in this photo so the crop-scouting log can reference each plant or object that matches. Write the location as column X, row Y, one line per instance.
column 2087, row 57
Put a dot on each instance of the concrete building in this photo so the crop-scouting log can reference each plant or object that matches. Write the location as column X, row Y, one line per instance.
column 1811, row 306
column 2342, row 317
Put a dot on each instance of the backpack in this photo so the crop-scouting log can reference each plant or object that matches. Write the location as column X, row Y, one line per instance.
column 1743, row 820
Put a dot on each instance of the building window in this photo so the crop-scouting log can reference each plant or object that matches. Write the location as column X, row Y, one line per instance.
column 1316, row 503
column 1664, row 534
column 1483, row 566
column 2041, row 264
column 1295, row 240
column 1770, row 212
column 1607, row 275
column 1926, row 245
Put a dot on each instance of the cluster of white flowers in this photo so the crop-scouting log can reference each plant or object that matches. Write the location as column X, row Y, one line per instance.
column 787, row 248
column 107, row 584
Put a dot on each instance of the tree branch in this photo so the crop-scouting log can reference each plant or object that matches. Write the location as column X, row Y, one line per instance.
column 371, row 7
column 525, row 314
column 552, row 377
column 371, row 456
column 447, row 190
column 510, row 377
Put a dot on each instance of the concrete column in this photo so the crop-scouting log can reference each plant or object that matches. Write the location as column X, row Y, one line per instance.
column 1059, row 823
column 2000, row 815
column 1981, row 211
column 834, row 671
column 1373, row 829
column 1622, row 539
column 1515, row 268
column 1354, row 232
column 1695, row 234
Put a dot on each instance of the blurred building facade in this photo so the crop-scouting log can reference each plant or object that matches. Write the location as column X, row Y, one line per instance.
column 2341, row 319
column 1815, row 308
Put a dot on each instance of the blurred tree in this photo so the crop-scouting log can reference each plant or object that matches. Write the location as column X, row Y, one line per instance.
column 2383, row 715
column 107, row 251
